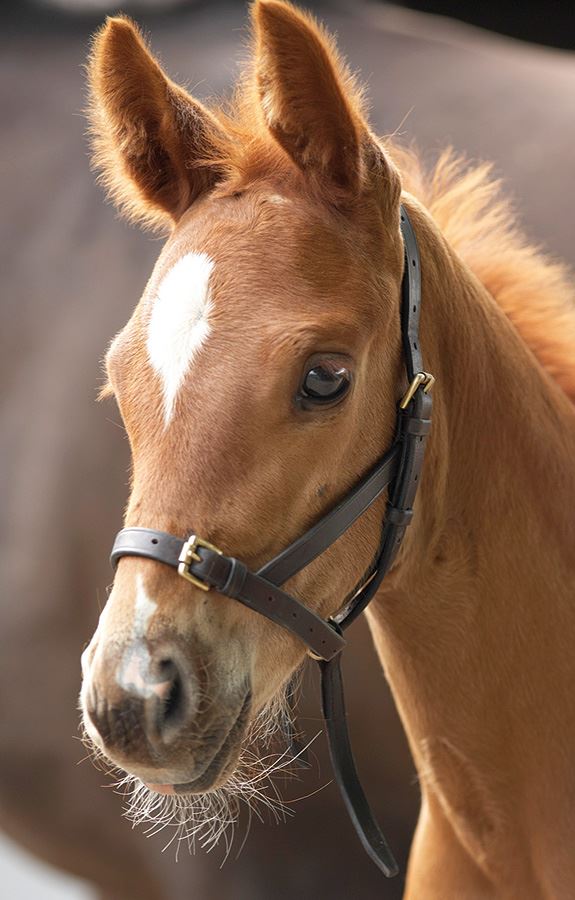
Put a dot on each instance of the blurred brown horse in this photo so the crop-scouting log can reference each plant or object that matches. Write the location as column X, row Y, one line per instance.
column 72, row 280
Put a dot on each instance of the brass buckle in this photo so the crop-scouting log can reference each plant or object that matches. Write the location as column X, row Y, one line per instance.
column 190, row 555
column 422, row 378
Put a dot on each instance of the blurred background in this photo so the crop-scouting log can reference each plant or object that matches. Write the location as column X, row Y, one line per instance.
column 71, row 273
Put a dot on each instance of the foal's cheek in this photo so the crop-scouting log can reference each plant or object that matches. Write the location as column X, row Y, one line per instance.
column 277, row 659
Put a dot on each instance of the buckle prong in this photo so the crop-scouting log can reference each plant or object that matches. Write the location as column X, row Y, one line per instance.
column 189, row 555
column 421, row 378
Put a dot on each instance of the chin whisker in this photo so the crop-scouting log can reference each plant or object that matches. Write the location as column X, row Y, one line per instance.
column 205, row 820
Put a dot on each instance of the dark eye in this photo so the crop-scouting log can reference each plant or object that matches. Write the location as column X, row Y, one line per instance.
column 326, row 382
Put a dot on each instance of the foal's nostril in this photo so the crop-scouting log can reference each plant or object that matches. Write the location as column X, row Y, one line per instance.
column 172, row 704
column 172, row 708
column 147, row 705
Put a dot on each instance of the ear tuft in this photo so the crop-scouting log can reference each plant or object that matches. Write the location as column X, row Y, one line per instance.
column 150, row 138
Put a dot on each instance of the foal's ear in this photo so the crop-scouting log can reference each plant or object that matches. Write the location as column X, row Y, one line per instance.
column 151, row 139
column 309, row 100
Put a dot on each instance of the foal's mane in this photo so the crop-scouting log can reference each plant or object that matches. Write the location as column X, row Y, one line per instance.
column 534, row 291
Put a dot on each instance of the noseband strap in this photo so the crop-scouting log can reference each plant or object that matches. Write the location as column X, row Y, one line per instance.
column 231, row 577
column 398, row 470
column 261, row 591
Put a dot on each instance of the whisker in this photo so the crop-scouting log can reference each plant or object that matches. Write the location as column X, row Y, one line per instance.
column 209, row 819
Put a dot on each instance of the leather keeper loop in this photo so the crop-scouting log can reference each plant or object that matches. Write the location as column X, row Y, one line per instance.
column 235, row 580
column 398, row 516
column 412, row 425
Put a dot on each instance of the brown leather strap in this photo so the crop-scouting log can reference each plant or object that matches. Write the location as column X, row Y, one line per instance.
column 231, row 577
column 343, row 763
column 325, row 532
column 260, row 591
column 414, row 425
column 410, row 299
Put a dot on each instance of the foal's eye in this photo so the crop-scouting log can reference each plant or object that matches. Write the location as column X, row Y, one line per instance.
column 325, row 382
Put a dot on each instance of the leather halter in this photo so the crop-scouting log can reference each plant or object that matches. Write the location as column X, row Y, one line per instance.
column 399, row 469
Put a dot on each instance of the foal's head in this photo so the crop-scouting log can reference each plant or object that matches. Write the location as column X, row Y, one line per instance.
column 257, row 378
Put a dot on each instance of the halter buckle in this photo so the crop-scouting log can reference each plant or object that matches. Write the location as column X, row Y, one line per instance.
column 189, row 555
column 422, row 378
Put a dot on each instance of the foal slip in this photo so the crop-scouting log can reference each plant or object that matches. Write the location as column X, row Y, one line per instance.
column 398, row 470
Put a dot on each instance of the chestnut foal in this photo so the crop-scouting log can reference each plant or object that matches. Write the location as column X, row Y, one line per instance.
column 258, row 379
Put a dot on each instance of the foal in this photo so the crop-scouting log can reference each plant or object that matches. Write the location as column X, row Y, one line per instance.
column 258, row 379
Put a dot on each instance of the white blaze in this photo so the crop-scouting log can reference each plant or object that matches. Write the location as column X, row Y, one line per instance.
column 179, row 323
column 133, row 671
column 144, row 609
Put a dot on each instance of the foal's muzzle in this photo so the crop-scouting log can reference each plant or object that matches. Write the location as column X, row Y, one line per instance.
column 140, row 700
column 146, row 708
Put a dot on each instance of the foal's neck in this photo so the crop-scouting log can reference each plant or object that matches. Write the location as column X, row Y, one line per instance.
column 476, row 623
